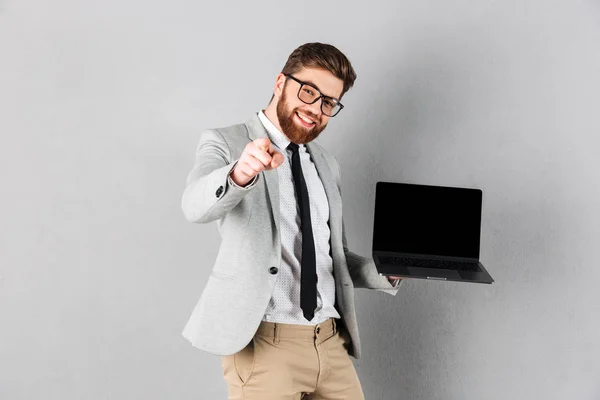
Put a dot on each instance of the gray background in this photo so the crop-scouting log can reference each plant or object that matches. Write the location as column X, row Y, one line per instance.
column 101, row 107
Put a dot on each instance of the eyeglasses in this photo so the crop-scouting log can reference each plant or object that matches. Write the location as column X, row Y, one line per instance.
column 309, row 94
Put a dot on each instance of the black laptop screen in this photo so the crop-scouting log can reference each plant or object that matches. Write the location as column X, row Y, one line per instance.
column 421, row 219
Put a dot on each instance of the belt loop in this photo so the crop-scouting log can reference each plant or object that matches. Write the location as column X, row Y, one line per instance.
column 275, row 333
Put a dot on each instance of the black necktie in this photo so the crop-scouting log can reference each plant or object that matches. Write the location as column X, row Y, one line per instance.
column 308, row 276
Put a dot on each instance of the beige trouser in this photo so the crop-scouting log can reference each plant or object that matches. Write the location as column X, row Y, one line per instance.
column 283, row 361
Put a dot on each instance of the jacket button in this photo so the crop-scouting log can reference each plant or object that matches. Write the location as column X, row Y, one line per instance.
column 219, row 191
column 273, row 270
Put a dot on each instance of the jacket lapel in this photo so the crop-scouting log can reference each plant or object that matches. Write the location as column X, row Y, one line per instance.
column 328, row 180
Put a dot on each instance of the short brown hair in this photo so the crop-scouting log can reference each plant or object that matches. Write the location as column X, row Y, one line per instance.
column 325, row 56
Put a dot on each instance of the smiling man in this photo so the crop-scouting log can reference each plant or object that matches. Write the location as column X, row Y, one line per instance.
column 279, row 303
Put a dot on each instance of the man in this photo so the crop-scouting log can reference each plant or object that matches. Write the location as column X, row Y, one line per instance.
column 279, row 303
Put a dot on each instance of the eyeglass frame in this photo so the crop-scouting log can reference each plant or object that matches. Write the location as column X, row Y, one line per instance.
column 320, row 97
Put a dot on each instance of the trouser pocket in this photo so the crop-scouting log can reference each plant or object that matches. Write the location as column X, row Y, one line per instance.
column 238, row 367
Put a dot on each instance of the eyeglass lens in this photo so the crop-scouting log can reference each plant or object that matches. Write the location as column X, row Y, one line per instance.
column 309, row 95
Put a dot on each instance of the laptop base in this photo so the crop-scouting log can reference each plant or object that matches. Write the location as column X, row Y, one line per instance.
column 433, row 273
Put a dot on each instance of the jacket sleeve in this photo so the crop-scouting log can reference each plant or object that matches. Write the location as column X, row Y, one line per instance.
column 363, row 270
column 209, row 194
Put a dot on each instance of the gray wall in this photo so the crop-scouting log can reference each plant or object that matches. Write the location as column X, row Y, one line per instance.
column 101, row 105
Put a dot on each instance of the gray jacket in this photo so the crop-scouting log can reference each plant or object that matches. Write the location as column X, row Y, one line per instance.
column 240, row 286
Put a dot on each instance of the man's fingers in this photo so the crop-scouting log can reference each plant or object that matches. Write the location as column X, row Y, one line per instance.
column 264, row 144
column 262, row 150
column 256, row 165
column 259, row 154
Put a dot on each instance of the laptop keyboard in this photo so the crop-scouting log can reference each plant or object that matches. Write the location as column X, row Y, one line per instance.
column 429, row 263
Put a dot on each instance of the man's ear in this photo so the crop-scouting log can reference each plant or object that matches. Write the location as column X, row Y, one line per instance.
column 279, row 85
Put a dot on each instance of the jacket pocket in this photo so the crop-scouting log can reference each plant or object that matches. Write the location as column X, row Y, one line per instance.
column 224, row 276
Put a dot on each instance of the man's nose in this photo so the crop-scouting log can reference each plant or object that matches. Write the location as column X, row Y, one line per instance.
column 315, row 108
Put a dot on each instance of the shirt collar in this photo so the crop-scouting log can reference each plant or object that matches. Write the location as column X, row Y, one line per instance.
column 276, row 136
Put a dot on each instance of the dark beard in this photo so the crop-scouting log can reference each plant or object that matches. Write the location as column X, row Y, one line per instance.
column 295, row 133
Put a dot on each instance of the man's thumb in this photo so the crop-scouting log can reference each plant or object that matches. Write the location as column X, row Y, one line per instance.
column 277, row 160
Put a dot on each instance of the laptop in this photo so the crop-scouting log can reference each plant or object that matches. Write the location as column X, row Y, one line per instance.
column 428, row 232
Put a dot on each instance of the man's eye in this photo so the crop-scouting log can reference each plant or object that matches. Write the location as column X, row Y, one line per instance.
column 308, row 91
column 329, row 103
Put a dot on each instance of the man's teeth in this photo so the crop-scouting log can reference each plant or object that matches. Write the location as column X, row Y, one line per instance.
column 303, row 118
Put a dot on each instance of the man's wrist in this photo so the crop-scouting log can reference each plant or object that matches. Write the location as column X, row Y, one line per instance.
column 246, row 185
